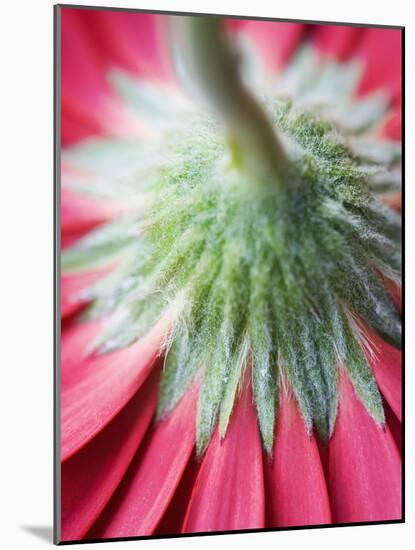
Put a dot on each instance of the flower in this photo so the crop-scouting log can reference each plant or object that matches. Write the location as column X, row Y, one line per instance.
column 173, row 421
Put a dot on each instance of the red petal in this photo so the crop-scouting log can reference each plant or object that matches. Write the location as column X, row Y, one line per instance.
column 365, row 466
column 393, row 126
column 84, row 88
column 73, row 287
column 70, row 239
column 151, row 482
column 394, row 426
column 75, row 127
column 94, row 391
column 133, row 41
column 381, row 50
column 336, row 40
column 394, row 289
column 89, row 107
column 277, row 41
column 91, row 476
column 296, row 483
column 80, row 213
column 394, row 201
column 386, row 363
column 173, row 517
column 76, row 341
column 229, row 490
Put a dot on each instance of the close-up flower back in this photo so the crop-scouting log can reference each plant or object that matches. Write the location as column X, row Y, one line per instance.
column 230, row 267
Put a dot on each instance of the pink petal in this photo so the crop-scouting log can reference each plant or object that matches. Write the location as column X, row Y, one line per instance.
column 394, row 201
column 75, row 127
column 97, row 389
column 393, row 126
column 394, row 426
column 84, row 88
column 336, row 40
column 92, row 475
column 365, row 466
column 297, row 491
column 229, row 490
column 89, row 106
column 395, row 291
column 73, row 287
column 233, row 24
column 80, row 213
column 152, row 480
column 133, row 41
column 70, row 239
column 381, row 51
column 77, row 339
column 172, row 520
column 396, row 294
column 386, row 363
column 276, row 41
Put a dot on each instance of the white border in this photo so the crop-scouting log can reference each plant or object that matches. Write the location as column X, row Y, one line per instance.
column 26, row 269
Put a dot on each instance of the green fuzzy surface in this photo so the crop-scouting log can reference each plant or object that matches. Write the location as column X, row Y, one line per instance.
column 275, row 277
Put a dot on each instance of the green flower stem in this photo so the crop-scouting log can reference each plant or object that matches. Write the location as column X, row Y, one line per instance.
column 212, row 63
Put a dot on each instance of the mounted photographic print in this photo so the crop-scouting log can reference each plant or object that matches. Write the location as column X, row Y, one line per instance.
column 228, row 266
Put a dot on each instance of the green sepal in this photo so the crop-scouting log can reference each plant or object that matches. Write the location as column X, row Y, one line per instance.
column 263, row 345
column 367, row 296
column 99, row 248
column 215, row 377
column 239, row 363
column 360, row 373
column 148, row 100
column 178, row 373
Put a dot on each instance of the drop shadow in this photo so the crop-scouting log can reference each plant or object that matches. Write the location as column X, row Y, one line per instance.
column 43, row 532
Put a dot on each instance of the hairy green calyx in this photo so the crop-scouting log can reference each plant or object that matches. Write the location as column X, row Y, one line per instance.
column 277, row 280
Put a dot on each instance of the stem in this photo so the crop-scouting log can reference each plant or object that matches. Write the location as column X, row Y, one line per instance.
column 208, row 56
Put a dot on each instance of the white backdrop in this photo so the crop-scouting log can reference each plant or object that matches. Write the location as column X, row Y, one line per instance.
column 26, row 336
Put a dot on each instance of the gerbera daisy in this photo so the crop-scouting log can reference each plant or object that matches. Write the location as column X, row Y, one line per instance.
column 230, row 353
